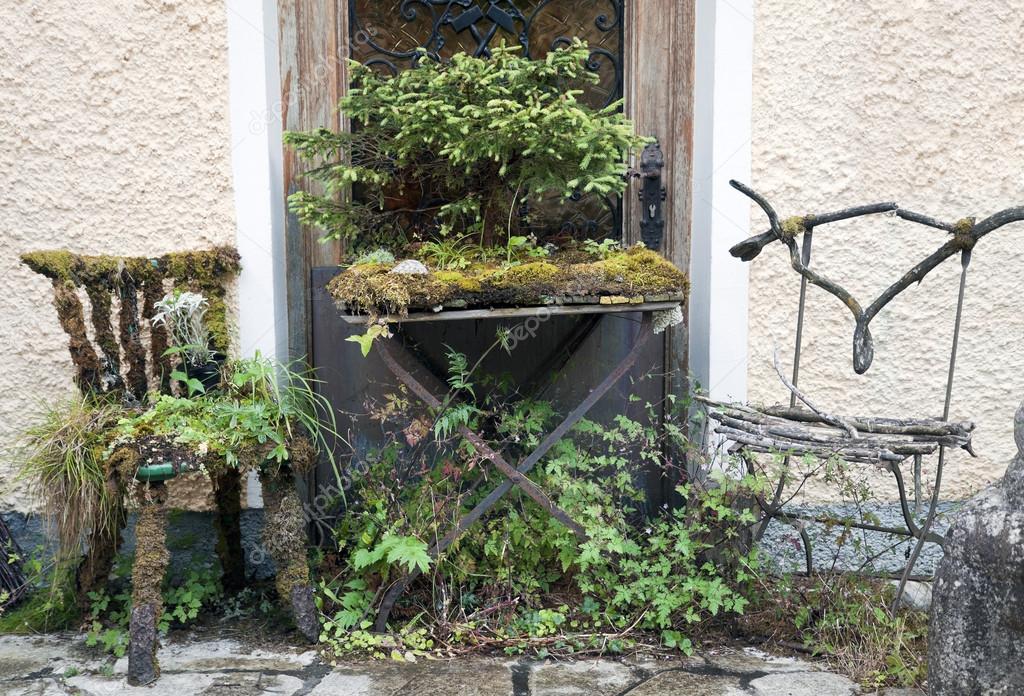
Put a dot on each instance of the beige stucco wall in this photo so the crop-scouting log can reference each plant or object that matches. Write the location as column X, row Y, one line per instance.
column 917, row 101
column 114, row 139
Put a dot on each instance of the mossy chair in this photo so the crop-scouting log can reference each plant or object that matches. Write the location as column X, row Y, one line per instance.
column 115, row 365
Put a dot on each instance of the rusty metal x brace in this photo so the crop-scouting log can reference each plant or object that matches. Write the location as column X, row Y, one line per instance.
column 402, row 363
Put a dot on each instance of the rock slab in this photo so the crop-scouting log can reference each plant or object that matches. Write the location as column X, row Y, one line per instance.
column 976, row 634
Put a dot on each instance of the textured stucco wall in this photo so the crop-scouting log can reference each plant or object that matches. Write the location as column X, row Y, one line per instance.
column 920, row 102
column 114, row 139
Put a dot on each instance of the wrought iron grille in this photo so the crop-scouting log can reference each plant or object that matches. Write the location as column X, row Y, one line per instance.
column 389, row 33
column 393, row 34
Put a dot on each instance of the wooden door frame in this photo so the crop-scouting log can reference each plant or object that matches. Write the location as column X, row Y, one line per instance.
column 659, row 92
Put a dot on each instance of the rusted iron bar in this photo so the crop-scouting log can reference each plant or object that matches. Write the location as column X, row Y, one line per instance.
column 965, row 262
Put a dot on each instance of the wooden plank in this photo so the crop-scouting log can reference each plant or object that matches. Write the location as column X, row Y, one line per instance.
column 659, row 92
column 313, row 49
column 514, row 312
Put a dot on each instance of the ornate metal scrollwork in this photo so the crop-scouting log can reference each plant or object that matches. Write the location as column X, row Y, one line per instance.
column 395, row 34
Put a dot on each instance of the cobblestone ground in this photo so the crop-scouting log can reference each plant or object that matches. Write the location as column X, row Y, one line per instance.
column 52, row 665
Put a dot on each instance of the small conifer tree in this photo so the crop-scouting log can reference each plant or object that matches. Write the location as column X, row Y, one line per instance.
column 460, row 148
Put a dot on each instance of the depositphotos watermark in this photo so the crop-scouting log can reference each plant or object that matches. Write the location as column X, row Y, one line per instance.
column 314, row 511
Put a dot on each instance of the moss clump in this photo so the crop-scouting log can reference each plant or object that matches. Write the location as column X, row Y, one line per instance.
column 525, row 275
column 301, row 455
column 459, row 282
column 55, row 265
column 372, row 287
column 962, row 233
column 639, row 270
column 793, row 227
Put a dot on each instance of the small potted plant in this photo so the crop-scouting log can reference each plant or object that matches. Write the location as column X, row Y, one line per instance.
column 183, row 314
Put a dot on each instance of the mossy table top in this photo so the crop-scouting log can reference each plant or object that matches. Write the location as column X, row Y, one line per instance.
column 566, row 282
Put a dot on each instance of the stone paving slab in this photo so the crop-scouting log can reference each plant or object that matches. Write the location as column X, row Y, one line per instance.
column 62, row 665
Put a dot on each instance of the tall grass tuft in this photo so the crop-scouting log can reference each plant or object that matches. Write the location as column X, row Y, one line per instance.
column 62, row 459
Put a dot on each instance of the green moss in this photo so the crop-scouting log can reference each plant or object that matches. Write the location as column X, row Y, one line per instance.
column 151, row 555
column 962, row 233
column 794, row 226
column 525, row 275
column 284, row 534
column 371, row 288
column 56, row 265
column 203, row 268
column 640, row 270
column 458, row 281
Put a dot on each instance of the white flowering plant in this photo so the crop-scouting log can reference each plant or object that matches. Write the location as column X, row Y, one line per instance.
column 183, row 314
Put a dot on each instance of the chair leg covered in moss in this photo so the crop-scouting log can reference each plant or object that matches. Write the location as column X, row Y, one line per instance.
column 151, row 557
column 284, row 537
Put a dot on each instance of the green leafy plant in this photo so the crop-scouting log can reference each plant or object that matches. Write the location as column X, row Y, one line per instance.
column 602, row 249
column 263, row 406
column 650, row 577
column 479, row 136
column 447, row 254
column 110, row 614
column 365, row 340
column 376, row 256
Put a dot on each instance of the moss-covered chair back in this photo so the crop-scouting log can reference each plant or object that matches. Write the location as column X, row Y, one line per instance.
column 118, row 361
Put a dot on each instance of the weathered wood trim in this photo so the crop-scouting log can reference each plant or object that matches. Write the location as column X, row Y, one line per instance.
column 659, row 90
column 313, row 53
